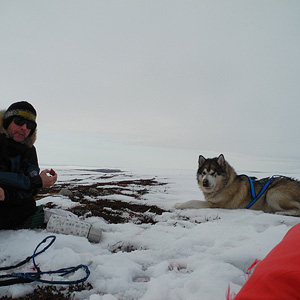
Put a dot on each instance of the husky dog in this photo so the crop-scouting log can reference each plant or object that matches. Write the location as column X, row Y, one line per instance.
column 223, row 188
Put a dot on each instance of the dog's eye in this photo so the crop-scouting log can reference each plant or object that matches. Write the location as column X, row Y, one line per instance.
column 204, row 173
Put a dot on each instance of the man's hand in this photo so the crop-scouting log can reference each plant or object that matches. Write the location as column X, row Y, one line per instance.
column 2, row 195
column 46, row 179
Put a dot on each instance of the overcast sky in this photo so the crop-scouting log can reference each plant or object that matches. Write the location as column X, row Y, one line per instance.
column 155, row 83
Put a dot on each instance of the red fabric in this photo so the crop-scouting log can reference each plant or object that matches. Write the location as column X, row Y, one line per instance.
column 277, row 277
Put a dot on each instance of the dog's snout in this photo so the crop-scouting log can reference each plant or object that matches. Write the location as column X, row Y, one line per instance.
column 205, row 183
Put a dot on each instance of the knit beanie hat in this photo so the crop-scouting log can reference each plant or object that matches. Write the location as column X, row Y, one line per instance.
column 21, row 109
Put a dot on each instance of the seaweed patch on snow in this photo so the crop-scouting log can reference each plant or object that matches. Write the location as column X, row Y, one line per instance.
column 92, row 199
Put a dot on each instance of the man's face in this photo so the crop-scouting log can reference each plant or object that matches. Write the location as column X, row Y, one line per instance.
column 18, row 133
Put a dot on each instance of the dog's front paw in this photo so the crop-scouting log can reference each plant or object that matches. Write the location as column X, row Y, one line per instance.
column 290, row 213
column 192, row 204
column 178, row 206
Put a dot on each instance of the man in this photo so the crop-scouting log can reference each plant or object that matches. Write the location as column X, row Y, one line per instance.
column 20, row 176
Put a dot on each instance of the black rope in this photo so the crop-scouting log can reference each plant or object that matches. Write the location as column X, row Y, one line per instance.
column 13, row 281
column 17, row 265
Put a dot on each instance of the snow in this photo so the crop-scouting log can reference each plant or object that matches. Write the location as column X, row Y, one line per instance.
column 187, row 254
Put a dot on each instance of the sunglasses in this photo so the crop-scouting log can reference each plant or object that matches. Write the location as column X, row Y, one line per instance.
column 20, row 122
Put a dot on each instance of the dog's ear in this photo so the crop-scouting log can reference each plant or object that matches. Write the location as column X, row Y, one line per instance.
column 221, row 160
column 201, row 160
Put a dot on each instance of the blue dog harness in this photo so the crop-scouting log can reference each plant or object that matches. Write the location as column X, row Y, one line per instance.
column 263, row 189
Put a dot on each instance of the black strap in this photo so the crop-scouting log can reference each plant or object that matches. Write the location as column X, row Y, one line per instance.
column 13, row 281
column 17, row 265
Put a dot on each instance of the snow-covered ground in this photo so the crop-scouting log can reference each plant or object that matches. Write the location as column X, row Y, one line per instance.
column 186, row 255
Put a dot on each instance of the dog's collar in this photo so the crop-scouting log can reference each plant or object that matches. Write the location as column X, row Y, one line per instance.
column 263, row 189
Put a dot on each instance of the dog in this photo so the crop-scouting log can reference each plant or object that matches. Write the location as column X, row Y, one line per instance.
column 223, row 188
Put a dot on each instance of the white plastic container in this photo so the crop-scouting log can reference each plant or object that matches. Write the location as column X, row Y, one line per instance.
column 64, row 225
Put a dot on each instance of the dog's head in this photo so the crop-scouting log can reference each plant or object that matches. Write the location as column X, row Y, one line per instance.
column 211, row 174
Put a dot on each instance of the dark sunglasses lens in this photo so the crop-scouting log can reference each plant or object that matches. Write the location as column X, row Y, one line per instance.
column 21, row 122
column 30, row 125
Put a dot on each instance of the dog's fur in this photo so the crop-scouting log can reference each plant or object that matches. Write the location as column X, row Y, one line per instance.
column 223, row 188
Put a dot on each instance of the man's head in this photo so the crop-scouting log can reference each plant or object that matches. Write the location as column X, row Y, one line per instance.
column 20, row 120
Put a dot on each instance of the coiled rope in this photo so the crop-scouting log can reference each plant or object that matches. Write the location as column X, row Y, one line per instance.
column 36, row 276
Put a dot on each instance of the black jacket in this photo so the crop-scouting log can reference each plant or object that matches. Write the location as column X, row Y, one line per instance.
column 19, row 178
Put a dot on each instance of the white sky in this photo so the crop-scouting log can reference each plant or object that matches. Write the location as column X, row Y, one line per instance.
column 155, row 83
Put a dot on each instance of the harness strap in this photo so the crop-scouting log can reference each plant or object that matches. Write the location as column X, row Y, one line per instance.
column 263, row 189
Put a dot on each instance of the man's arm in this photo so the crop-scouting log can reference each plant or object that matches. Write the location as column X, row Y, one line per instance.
column 15, row 180
column 23, row 182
